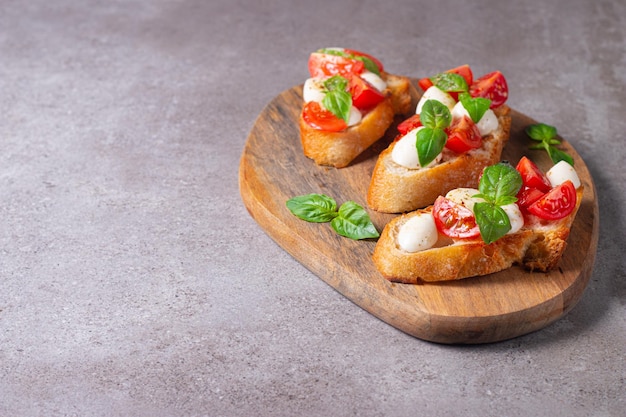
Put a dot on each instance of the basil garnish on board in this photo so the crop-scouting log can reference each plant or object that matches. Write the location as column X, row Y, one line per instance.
column 351, row 220
column 315, row 208
column 546, row 135
column 435, row 117
column 337, row 100
column 498, row 186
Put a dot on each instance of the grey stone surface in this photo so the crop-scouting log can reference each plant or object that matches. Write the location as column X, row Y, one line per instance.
column 133, row 282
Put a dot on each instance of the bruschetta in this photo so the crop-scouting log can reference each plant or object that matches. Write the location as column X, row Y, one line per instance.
column 349, row 103
column 455, row 239
column 473, row 125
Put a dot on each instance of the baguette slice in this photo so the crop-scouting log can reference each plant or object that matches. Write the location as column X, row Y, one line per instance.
column 539, row 246
column 396, row 189
column 338, row 149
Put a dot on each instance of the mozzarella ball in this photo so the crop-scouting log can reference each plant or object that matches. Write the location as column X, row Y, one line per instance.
column 404, row 151
column 418, row 233
column 435, row 93
column 561, row 172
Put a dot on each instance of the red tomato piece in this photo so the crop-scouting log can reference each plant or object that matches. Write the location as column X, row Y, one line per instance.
column 319, row 118
column 463, row 135
column 326, row 65
column 527, row 196
column 364, row 95
column 464, row 71
column 372, row 58
column 556, row 203
column 454, row 220
column 532, row 176
column 492, row 86
column 425, row 83
column 409, row 124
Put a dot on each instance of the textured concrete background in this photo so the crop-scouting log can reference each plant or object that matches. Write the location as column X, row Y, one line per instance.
column 134, row 283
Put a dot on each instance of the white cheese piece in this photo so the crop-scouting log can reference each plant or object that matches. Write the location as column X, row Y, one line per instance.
column 434, row 93
column 313, row 90
column 405, row 152
column 515, row 217
column 561, row 172
column 486, row 125
column 375, row 80
column 458, row 111
column 355, row 116
column 464, row 196
column 418, row 233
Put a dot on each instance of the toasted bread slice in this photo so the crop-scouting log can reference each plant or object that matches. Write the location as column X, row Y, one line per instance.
column 539, row 245
column 338, row 149
column 396, row 189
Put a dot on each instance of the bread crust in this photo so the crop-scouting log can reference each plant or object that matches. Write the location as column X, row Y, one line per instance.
column 338, row 149
column 396, row 189
column 538, row 246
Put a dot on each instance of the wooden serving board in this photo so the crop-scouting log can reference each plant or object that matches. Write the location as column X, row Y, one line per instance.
column 485, row 309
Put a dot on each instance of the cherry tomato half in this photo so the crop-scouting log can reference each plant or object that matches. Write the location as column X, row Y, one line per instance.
column 492, row 86
column 528, row 195
column 372, row 58
column 454, row 220
column 319, row 118
column 364, row 95
column 326, row 65
column 409, row 124
column 425, row 83
column 463, row 135
column 464, row 71
column 532, row 176
column 556, row 203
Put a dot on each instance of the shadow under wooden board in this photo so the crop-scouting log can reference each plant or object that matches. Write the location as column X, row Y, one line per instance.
column 484, row 309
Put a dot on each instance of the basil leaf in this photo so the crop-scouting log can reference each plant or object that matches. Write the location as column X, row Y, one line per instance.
column 492, row 221
column 316, row 208
column 476, row 107
column 506, row 200
column 450, row 82
column 331, row 51
column 541, row 131
column 429, row 144
column 557, row 155
column 369, row 64
column 336, row 82
column 339, row 103
column 435, row 115
column 498, row 181
column 354, row 222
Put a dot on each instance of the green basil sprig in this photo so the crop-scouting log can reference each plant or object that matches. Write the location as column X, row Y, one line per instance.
column 351, row 220
column 337, row 100
column 435, row 117
column 498, row 186
column 475, row 106
column 546, row 135
column 450, row 82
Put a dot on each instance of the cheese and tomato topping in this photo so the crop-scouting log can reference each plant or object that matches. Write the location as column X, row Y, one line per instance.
column 463, row 133
column 453, row 214
column 364, row 85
